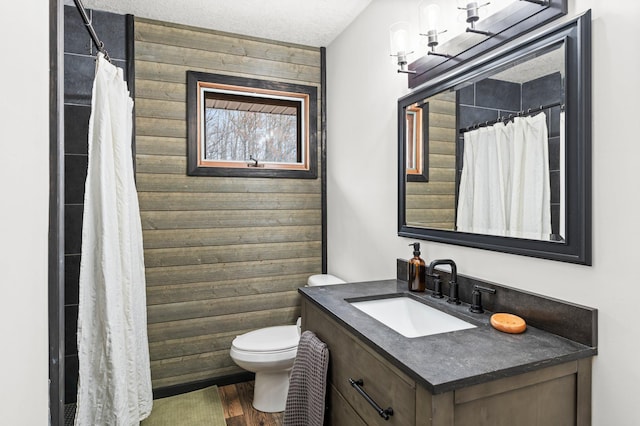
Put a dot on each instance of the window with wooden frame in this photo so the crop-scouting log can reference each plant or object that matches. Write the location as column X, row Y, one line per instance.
column 251, row 128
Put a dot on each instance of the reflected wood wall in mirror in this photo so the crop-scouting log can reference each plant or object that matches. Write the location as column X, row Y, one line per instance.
column 508, row 141
column 431, row 202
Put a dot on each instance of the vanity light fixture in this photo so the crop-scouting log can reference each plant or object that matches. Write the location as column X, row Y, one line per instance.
column 428, row 16
column 400, row 44
column 461, row 47
column 473, row 15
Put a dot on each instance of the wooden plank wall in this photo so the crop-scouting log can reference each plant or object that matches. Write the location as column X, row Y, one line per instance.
column 432, row 204
column 223, row 255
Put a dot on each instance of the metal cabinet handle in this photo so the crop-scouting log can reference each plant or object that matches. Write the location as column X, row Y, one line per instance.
column 384, row 413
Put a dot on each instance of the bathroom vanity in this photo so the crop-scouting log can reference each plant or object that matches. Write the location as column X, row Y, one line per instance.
column 473, row 376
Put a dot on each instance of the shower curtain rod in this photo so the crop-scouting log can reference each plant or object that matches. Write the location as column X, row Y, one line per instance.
column 510, row 116
column 87, row 22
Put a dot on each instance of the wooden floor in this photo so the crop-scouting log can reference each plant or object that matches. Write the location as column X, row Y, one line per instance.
column 238, row 411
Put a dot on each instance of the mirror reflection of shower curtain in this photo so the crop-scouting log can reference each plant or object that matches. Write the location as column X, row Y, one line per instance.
column 114, row 385
column 504, row 185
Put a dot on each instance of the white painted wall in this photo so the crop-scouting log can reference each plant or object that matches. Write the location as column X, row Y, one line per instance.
column 362, row 90
column 24, row 174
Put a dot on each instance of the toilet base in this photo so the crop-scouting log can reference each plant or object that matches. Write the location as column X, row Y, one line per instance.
column 270, row 391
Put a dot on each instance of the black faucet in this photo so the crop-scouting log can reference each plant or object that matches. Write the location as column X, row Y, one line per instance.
column 453, row 283
column 476, row 296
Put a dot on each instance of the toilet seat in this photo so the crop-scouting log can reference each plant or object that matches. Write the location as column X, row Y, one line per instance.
column 276, row 359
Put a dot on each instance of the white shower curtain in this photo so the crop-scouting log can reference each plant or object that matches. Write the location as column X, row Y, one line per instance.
column 114, row 386
column 504, row 185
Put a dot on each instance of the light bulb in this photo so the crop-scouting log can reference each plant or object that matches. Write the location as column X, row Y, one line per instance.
column 400, row 34
column 428, row 15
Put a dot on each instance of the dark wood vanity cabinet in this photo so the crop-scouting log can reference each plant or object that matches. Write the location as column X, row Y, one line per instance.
column 555, row 395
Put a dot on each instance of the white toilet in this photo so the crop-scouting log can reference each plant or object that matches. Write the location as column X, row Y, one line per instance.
column 269, row 352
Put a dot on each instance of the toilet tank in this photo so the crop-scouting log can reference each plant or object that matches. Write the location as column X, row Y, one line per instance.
column 323, row 279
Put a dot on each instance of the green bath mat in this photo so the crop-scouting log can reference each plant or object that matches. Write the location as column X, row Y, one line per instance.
column 197, row 408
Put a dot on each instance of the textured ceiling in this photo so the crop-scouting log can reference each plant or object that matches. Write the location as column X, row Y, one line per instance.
column 308, row 22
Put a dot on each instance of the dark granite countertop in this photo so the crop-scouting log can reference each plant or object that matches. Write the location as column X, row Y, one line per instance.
column 447, row 361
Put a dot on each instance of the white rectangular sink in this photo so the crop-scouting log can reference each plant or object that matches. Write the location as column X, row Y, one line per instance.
column 411, row 318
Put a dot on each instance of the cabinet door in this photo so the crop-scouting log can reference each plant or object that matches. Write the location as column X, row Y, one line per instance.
column 349, row 358
column 539, row 398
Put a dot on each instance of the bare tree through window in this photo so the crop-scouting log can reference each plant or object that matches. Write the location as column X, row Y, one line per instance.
column 237, row 127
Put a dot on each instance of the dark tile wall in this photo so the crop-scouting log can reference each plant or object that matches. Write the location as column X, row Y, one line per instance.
column 491, row 99
column 487, row 100
column 79, row 71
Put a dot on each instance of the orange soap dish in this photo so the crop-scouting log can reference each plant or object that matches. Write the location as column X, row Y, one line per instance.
column 508, row 323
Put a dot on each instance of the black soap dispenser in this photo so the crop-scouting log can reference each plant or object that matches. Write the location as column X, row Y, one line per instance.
column 417, row 270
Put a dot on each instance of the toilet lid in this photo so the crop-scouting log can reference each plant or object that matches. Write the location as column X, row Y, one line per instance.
column 268, row 339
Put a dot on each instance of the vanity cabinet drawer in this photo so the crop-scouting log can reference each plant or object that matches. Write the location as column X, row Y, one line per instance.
column 340, row 412
column 349, row 358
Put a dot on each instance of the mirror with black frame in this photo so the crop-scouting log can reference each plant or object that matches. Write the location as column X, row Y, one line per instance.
column 496, row 154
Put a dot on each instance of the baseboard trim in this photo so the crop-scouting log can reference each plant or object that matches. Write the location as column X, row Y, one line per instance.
column 201, row 384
